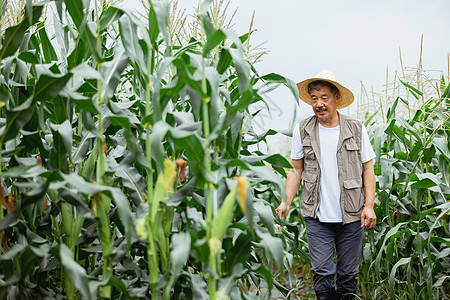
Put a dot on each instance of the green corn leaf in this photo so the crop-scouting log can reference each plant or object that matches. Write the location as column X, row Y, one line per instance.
column 402, row 261
column 204, row 6
column 225, row 60
column 185, row 138
column 50, row 86
column 237, row 54
column 24, row 171
column 47, row 48
column 131, row 179
column 132, row 143
column 443, row 164
column 153, row 28
column 65, row 132
column 237, row 163
column 61, row 135
column 59, row 112
column 405, row 101
column 207, row 24
column 387, row 171
column 233, row 112
column 120, row 286
column 276, row 78
column 414, row 91
column 267, row 274
column 212, row 77
column 159, row 104
column 86, row 104
column 62, row 37
column 67, row 218
column 117, row 196
column 240, row 251
column 111, row 73
column 242, row 68
column 261, row 137
column 78, row 55
column 158, row 197
column 84, row 71
column 89, row 36
column 13, row 37
column 29, row 10
column 227, row 286
column 266, row 215
column 277, row 160
column 29, row 57
column 390, row 247
column 446, row 93
column 86, row 29
column 224, row 216
column 89, row 165
column 14, row 251
column 443, row 83
column 265, row 173
column 213, row 41
column 440, row 281
column 199, row 287
column 185, row 74
column 181, row 247
column 161, row 9
column 415, row 152
column 21, row 72
column 386, row 237
column 16, row 119
column 272, row 246
column 411, row 130
column 76, row 11
column 391, row 110
column 71, row 197
column 245, row 36
column 442, row 116
column 109, row 16
column 77, row 273
column 425, row 180
column 130, row 40
column 399, row 134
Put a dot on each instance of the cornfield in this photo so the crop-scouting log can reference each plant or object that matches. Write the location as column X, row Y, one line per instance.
column 128, row 167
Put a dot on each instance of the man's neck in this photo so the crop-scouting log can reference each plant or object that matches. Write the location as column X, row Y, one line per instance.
column 330, row 122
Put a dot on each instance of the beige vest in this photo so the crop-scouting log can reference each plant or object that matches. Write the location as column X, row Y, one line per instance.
column 349, row 166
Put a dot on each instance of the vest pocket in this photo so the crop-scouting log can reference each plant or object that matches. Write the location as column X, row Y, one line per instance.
column 353, row 150
column 310, row 160
column 309, row 185
column 354, row 201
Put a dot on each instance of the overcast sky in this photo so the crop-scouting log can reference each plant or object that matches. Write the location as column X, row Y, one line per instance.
column 356, row 39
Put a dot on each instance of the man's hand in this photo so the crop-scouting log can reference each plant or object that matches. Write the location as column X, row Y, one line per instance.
column 368, row 218
column 282, row 210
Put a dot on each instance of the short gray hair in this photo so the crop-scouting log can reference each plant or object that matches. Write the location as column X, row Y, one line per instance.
column 318, row 84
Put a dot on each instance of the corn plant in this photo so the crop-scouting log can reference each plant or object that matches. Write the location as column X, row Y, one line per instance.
column 407, row 256
column 126, row 171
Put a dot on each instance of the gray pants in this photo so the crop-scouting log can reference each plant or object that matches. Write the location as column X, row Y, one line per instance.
column 322, row 240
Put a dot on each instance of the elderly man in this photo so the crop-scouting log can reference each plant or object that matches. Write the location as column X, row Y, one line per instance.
column 332, row 156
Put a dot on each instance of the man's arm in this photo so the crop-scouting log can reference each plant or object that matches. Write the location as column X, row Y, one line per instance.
column 368, row 217
column 292, row 184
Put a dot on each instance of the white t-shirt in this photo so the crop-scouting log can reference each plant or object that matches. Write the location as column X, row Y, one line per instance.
column 330, row 190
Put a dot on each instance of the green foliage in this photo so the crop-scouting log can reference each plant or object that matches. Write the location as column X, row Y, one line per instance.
column 93, row 205
column 408, row 252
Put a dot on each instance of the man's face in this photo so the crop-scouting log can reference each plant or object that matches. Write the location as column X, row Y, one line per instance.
column 324, row 103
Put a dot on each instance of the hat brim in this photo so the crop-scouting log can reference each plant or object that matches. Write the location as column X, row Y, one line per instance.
column 346, row 96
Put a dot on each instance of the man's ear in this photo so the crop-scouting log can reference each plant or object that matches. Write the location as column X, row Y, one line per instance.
column 337, row 96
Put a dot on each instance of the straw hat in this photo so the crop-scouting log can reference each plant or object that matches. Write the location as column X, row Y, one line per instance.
column 346, row 95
